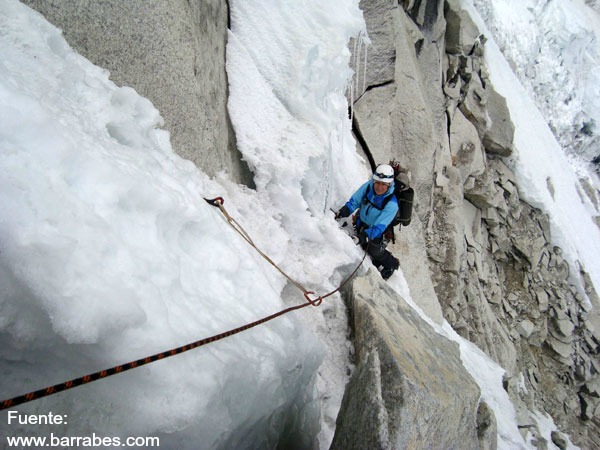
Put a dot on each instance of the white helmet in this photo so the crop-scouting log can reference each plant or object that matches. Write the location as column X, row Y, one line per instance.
column 384, row 174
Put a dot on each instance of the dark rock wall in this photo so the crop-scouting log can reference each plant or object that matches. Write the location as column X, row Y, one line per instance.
column 173, row 53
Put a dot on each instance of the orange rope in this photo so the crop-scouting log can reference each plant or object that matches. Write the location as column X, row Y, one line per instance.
column 149, row 359
column 140, row 362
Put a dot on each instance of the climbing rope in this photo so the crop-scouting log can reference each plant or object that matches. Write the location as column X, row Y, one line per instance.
column 140, row 362
column 218, row 202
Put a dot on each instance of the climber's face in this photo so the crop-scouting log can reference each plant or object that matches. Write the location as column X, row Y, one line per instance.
column 380, row 188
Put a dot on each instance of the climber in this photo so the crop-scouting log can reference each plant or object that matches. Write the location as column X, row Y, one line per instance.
column 378, row 207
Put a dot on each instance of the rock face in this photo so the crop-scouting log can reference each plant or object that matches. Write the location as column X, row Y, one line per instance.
column 173, row 53
column 475, row 253
column 409, row 389
column 500, row 281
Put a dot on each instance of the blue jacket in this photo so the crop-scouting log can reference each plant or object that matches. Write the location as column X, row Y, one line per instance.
column 375, row 218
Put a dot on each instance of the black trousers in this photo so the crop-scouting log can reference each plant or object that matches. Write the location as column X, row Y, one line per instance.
column 376, row 248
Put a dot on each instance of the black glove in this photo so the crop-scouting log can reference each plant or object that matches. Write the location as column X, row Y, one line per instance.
column 343, row 212
column 363, row 239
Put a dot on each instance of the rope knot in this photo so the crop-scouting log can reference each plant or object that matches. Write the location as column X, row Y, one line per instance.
column 313, row 301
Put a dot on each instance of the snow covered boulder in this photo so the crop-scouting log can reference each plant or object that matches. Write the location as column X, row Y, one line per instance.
column 409, row 389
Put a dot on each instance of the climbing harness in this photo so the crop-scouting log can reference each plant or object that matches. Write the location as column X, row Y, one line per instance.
column 217, row 202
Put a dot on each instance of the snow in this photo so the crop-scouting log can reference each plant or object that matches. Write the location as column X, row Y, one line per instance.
column 553, row 46
column 548, row 179
column 108, row 252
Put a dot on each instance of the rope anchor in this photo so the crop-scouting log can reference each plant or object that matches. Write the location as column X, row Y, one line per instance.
column 215, row 201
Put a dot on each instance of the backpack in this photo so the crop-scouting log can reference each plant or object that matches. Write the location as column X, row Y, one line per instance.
column 404, row 196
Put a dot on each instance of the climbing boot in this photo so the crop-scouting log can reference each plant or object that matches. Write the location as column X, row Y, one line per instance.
column 387, row 272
